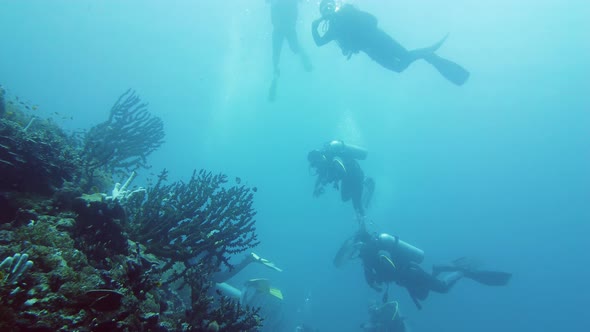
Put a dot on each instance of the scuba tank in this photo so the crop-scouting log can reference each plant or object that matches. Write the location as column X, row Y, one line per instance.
column 347, row 150
column 401, row 250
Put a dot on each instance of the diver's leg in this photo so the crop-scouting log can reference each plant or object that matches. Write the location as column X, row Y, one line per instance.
column 345, row 188
column 444, row 285
column 277, row 45
column 291, row 37
column 228, row 274
column 440, row 268
column 393, row 56
column 293, row 41
column 352, row 189
column 415, row 280
column 405, row 58
column 390, row 54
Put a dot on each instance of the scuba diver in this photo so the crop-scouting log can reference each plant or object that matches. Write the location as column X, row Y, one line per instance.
column 355, row 31
column 388, row 259
column 283, row 14
column 337, row 164
column 255, row 292
column 385, row 318
column 223, row 276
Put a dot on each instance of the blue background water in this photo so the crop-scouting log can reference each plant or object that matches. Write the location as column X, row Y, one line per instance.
column 497, row 169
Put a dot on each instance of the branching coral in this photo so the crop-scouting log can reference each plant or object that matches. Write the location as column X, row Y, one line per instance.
column 85, row 277
column 199, row 219
column 125, row 140
column 227, row 314
column 199, row 223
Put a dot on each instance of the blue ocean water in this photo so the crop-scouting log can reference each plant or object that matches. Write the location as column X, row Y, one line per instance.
column 498, row 169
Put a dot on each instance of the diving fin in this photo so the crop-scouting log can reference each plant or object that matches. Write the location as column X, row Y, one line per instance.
column 449, row 69
column 263, row 286
column 347, row 252
column 276, row 293
column 436, row 45
column 489, row 278
column 266, row 262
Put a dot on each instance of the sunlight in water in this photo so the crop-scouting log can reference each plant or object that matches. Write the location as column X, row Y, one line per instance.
column 348, row 129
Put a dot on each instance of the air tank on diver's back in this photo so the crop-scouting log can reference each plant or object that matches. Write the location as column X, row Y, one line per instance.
column 348, row 150
column 401, row 250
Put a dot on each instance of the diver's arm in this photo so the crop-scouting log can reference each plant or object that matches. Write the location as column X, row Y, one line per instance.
column 319, row 40
column 318, row 189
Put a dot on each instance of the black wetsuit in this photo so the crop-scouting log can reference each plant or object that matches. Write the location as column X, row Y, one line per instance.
column 385, row 318
column 403, row 272
column 355, row 30
column 340, row 167
column 352, row 185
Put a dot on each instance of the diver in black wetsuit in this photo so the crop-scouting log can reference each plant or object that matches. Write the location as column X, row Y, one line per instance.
column 283, row 15
column 388, row 259
column 337, row 164
column 356, row 31
column 385, row 317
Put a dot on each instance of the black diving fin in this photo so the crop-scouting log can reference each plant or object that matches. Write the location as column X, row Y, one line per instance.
column 449, row 69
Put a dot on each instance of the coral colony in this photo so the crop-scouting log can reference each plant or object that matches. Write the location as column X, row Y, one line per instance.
column 82, row 253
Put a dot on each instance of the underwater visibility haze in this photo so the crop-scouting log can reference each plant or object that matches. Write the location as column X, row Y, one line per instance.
column 495, row 168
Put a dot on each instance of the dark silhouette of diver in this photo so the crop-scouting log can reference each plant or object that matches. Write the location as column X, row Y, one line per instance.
column 388, row 259
column 385, row 317
column 283, row 14
column 355, row 30
column 337, row 164
column 255, row 293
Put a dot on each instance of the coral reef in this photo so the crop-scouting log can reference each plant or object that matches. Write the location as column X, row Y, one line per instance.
column 137, row 260
column 200, row 218
column 13, row 268
column 125, row 140
column 2, row 103
column 37, row 160
column 198, row 224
